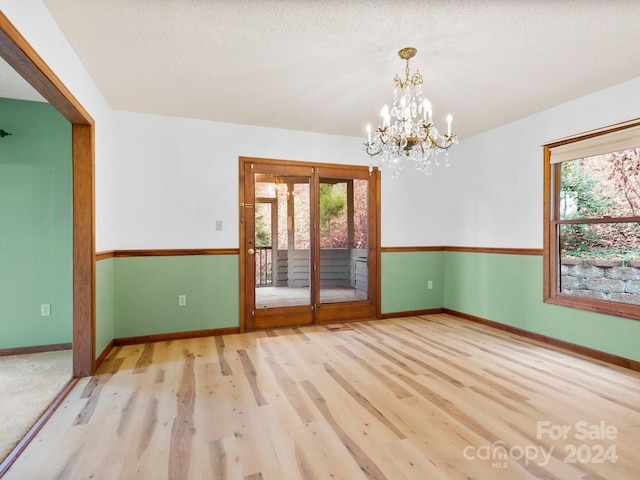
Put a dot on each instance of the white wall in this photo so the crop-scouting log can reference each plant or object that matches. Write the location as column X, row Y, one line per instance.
column 35, row 23
column 414, row 206
column 162, row 182
column 177, row 176
column 494, row 192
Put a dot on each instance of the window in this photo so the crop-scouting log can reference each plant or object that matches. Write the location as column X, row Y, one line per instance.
column 592, row 221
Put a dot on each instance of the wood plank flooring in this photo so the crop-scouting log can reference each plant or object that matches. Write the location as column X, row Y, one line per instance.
column 432, row 397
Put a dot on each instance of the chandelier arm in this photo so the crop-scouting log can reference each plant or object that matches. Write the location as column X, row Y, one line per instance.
column 448, row 139
column 370, row 151
column 381, row 134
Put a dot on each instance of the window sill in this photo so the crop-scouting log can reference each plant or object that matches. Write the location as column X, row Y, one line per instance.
column 616, row 309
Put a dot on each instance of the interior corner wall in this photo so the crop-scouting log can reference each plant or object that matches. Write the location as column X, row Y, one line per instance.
column 495, row 200
column 146, row 293
column 105, row 304
column 176, row 177
column 412, row 281
column 35, row 225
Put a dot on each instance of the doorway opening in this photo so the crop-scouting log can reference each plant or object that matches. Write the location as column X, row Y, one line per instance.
column 19, row 55
column 17, row 52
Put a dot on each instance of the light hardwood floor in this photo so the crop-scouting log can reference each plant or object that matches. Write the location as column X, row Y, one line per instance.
column 416, row 398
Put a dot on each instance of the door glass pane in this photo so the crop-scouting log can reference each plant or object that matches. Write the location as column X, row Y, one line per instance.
column 282, row 239
column 263, row 242
column 344, row 243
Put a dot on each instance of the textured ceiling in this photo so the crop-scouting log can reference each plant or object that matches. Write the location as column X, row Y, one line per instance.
column 327, row 66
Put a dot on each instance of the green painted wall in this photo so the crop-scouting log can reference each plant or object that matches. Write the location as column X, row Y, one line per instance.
column 146, row 293
column 35, row 225
column 508, row 289
column 404, row 281
column 105, row 302
column 139, row 296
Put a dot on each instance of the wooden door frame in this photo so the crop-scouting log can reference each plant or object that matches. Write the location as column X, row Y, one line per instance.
column 273, row 317
column 340, row 312
column 17, row 52
column 374, row 218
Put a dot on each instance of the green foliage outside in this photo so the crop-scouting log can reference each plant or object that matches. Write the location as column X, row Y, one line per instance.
column 584, row 191
column 581, row 196
column 599, row 187
column 263, row 231
column 333, row 221
column 333, row 202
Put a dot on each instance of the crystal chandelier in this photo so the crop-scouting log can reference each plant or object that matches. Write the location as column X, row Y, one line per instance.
column 407, row 131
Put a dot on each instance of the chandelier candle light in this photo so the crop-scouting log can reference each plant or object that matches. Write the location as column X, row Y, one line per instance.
column 412, row 135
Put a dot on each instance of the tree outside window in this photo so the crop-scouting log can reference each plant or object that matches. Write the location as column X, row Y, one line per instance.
column 592, row 226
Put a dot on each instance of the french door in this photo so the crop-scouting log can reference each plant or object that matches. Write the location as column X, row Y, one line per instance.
column 308, row 243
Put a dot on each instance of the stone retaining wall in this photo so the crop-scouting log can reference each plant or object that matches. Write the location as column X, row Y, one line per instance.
column 606, row 279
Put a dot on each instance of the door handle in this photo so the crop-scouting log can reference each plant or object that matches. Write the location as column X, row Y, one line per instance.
column 251, row 251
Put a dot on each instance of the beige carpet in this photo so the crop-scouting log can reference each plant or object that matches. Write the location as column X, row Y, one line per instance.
column 28, row 385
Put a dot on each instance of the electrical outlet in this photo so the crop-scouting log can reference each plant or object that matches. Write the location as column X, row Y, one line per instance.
column 429, row 284
column 218, row 225
column 45, row 310
column 182, row 300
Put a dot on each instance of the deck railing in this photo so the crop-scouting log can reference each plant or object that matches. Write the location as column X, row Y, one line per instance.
column 264, row 266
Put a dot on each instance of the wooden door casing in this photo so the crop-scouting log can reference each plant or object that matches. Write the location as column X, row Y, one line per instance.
column 252, row 318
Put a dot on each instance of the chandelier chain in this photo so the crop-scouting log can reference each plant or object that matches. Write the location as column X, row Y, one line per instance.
column 407, row 72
